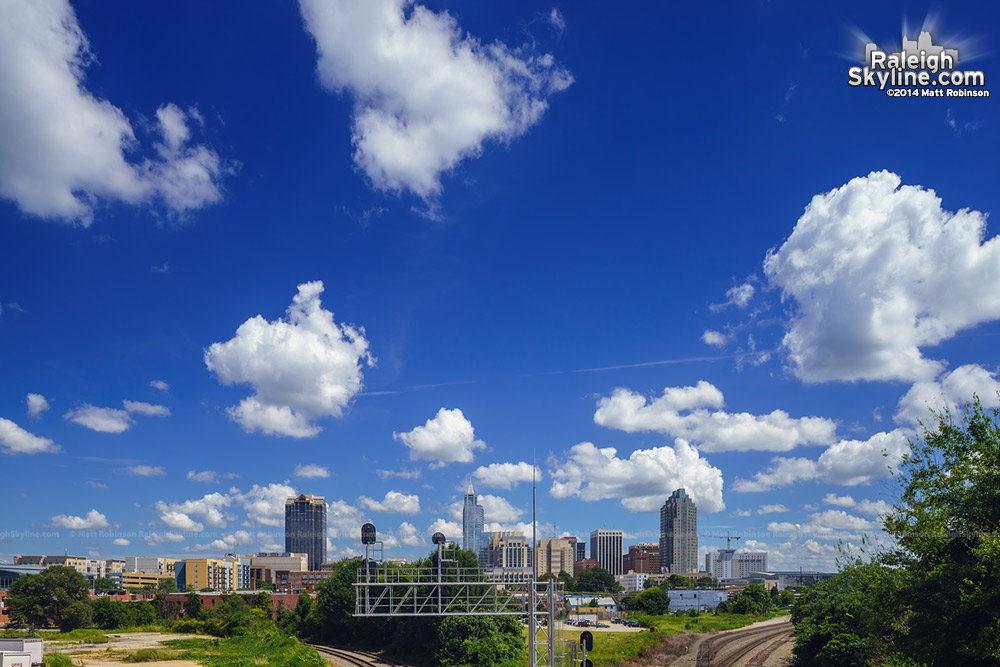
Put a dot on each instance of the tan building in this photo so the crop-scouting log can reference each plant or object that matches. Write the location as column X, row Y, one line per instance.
column 206, row 573
column 509, row 558
column 140, row 579
column 265, row 566
column 554, row 556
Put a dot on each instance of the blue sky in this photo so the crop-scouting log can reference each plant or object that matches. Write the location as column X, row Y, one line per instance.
column 374, row 250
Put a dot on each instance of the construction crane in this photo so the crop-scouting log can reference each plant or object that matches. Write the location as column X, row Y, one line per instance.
column 727, row 537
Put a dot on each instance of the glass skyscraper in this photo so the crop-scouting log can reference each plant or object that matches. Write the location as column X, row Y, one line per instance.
column 305, row 528
column 473, row 522
column 679, row 534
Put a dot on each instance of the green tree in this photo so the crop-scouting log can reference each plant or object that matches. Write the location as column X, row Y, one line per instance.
column 166, row 585
column 947, row 529
column 569, row 583
column 57, row 595
column 262, row 585
column 103, row 586
column 110, row 614
column 192, row 606
column 652, row 601
column 597, row 580
column 142, row 613
column 754, row 599
column 479, row 641
column 852, row 619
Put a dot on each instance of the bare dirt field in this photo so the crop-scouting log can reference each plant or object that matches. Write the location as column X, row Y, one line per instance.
column 110, row 654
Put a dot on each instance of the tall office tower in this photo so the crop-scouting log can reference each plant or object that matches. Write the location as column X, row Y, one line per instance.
column 579, row 547
column 606, row 549
column 305, row 527
column 473, row 520
column 679, row 534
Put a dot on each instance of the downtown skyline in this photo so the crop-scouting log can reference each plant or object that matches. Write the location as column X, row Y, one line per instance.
column 380, row 252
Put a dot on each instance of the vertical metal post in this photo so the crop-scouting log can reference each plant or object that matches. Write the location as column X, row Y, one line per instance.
column 552, row 623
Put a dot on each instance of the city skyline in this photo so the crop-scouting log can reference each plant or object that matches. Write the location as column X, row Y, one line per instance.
column 254, row 251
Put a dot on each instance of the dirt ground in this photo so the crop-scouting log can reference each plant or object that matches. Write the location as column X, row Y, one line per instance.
column 110, row 654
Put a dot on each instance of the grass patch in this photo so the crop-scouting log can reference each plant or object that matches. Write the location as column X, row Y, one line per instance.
column 58, row 660
column 671, row 624
column 247, row 651
column 79, row 636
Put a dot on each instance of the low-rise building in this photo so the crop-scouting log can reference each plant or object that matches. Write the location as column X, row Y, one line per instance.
column 633, row 581
column 701, row 599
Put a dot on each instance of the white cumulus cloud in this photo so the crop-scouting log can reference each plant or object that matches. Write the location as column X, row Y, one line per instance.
column 209, row 476
column 426, row 94
column 846, row 463
column 393, row 503
column 302, row 368
column 15, row 440
column 877, row 272
column 120, row 542
column 643, row 481
column 311, row 470
column 93, row 520
column 102, row 420
column 693, row 413
column 155, row 539
column 159, row 384
column 265, row 504
column 62, row 148
column 714, row 338
column 447, row 438
column 147, row 409
column 506, row 475
column 181, row 521
column 209, row 508
column 37, row 404
column 948, row 393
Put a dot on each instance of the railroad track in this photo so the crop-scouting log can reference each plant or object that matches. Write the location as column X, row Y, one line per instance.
column 356, row 658
column 713, row 652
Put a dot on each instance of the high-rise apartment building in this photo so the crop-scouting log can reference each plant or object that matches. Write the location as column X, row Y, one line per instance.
column 606, row 549
column 554, row 556
column 679, row 534
column 473, row 522
column 305, row 527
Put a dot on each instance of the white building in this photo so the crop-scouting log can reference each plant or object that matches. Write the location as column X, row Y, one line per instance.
column 727, row 564
column 633, row 581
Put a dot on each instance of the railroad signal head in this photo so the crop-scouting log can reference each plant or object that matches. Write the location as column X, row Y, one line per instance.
column 368, row 534
column 438, row 538
column 587, row 639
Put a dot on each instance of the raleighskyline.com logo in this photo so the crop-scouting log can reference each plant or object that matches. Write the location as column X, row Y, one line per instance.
column 919, row 69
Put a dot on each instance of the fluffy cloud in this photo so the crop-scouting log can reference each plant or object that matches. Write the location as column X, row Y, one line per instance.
column 506, row 475
column 847, row 463
column 714, row 338
column 265, row 504
column 497, row 509
column 450, row 529
column 409, row 536
column 37, row 404
column 209, row 476
column 93, row 520
column 62, row 149
column 120, row 542
column 102, row 420
column 947, row 394
column 209, row 508
column 426, row 95
column 311, row 471
column 147, row 409
column 738, row 296
column 643, row 481
column 15, row 440
column 146, row 471
column 155, row 539
column 447, row 438
column 828, row 525
column 870, row 507
column 159, row 384
column 684, row 412
column 393, row 503
column 181, row 521
column 301, row 369
column 344, row 520
column 772, row 509
column 877, row 272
